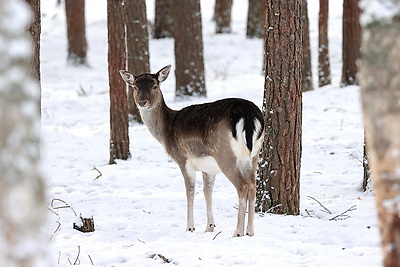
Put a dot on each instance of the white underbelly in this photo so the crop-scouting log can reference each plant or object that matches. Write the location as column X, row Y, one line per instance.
column 204, row 164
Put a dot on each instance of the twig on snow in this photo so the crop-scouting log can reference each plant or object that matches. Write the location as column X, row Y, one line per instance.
column 343, row 215
column 164, row 258
column 272, row 208
column 217, row 235
column 77, row 260
column 325, row 209
column 61, row 207
column 99, row 175
column 90, row 258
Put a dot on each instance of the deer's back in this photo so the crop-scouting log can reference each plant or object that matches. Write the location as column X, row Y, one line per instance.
column 201, row 129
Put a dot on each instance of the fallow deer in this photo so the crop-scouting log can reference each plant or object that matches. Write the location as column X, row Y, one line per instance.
column 222, row 136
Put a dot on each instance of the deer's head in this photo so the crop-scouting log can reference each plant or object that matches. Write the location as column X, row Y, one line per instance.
column 146, row 87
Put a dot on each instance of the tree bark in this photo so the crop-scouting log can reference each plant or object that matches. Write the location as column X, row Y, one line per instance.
column 366, row 168
column 22, row 197
column 255, row 19
column 324, row 72
column 379, row 78
column 164, row 19
column 189, row 61
column 34, row 30
column 351, row 42
column 306, row 81
column 278, row 188
column 222, row 16
column 119, row 138
column 76, row 31
column 137, row 39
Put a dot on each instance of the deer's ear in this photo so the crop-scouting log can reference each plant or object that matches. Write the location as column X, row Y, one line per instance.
column 163, row 73
column 128, row 77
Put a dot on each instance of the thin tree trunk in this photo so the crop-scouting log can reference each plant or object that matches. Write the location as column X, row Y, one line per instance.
column 256, row 19
column 324, row 71
column 119, row 138
column 351, row 42
column 76, row 31
column 367, row 170
column 137, row 40
column 379, row 77
column 34, row 30
column 222, row 16
column 164, row 19
column 190, row 79
column 306, row 81
column 278, row 188
column 22, row 197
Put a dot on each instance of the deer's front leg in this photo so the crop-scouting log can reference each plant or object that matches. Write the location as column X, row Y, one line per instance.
column 189, row 175
column 208, row 184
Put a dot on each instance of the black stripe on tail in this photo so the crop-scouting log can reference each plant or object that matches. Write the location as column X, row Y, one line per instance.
column 249, row 112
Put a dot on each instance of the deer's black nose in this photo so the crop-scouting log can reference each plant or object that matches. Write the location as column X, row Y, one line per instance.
column 142, row 103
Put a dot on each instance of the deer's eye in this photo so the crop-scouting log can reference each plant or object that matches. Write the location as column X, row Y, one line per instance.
column 154, row 87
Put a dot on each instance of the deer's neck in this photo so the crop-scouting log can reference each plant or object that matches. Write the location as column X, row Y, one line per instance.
column 157, row 119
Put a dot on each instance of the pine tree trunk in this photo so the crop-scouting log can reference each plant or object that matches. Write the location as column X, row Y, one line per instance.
column 351, row 42
column 76, row 31
column 255, row 19
column 306, row 81
column 137, row 39
column 379, row 78
column 119, row 138
column 367, row 170
column 278, row 188
column 190, row 79
column 222, row 16
column 22, row 197
column 324, row 72
column 164, row 19
column 35, row 30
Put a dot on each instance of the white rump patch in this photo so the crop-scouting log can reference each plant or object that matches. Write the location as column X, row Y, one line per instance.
column 257, row 142
column 239, row 145
column 204, row 164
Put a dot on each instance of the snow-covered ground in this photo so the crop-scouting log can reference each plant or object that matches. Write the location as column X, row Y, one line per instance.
column 139, row 205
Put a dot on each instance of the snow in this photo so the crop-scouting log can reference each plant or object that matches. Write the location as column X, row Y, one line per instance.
column 378, row 10
column 139, row 205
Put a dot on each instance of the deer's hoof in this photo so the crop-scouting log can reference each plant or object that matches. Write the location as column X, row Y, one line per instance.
column 190, row 229
column 237, row 234
column 210, row 227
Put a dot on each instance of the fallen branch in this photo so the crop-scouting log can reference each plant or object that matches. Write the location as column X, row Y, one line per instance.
column 325, row 209
column 90, row 258
column 77, row 261
column 164, row 258
column 66, row 205
column 217, row 235
column 343, row 214
column 272, row 208
column 99, row 175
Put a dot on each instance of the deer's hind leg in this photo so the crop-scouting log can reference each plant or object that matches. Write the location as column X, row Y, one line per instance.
column 232, row 171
